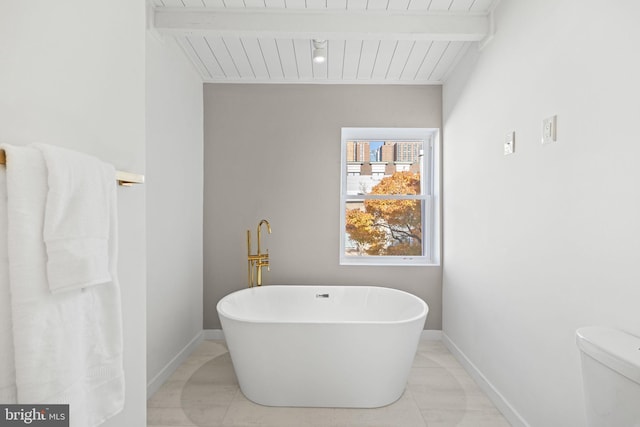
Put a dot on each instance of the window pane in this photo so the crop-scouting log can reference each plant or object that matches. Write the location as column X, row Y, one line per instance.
column 379, row 227
column 384, row 167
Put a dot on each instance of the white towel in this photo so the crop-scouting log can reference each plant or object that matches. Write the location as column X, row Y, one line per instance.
column 76, row 221
column 7, row 368
column 68, row 345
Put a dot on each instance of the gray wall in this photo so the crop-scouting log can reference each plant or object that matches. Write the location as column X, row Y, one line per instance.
column 546, row 240
column 174, row 205
column 72, row 74
column 273, row 151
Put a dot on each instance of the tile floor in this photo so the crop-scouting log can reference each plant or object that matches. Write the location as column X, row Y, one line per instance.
column 204, row 392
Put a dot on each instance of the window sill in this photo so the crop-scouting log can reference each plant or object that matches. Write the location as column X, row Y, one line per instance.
column 382, row 261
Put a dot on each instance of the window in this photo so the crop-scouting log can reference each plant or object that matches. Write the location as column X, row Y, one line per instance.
column 389, row 210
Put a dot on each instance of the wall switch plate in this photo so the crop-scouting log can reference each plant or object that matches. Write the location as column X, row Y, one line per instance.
column 510, row 143
column 549, row 130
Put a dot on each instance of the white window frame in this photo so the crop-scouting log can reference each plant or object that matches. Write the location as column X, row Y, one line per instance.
column 431, row 187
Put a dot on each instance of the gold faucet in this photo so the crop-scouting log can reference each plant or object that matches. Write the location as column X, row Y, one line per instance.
column 259, row 260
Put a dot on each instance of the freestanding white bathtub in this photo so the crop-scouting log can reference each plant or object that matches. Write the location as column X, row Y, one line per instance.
column 322, row 346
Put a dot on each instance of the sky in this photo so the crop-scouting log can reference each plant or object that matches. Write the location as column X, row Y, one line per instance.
column 374, row 145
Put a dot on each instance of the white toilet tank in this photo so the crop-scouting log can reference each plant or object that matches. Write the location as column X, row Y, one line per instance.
column 611, row 376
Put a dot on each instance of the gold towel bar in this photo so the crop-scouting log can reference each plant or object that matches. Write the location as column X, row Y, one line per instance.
column 123, row 178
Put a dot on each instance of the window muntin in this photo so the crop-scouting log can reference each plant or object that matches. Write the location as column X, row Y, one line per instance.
column 388, row 204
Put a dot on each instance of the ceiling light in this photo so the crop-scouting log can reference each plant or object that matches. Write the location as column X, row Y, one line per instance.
column 319, row 51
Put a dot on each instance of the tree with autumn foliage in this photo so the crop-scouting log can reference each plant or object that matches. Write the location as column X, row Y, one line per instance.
column 389, row 227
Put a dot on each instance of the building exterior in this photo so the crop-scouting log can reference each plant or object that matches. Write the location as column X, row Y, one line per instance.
column 367, row 166
column 358, row 151
column 408, row 152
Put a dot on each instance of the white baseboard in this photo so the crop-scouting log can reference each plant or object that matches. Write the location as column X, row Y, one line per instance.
column 496, row 397
column 164, row 374
column 213, row 334
column 431, row 335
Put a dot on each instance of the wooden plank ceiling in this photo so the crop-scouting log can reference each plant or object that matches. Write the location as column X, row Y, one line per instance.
column 368, row 41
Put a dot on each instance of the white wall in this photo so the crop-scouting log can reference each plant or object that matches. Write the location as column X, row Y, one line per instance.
column 72, row 74
column 546, row 240
column 174, row 205
column 273, row 151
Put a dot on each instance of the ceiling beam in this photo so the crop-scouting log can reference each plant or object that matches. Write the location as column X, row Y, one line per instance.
column 327, row 25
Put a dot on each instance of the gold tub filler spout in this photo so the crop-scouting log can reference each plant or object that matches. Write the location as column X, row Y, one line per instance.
column 255, row 262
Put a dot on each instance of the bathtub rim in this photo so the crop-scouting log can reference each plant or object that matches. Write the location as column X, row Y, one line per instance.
column 423, row 312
